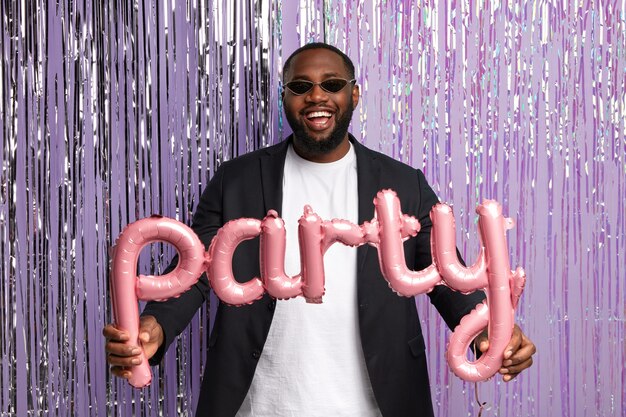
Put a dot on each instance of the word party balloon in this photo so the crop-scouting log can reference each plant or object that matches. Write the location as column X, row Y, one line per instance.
column 386, row 231
column 127, row 287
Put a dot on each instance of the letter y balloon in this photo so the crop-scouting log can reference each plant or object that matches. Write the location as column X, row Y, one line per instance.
column 492, row 273
column 386, row 231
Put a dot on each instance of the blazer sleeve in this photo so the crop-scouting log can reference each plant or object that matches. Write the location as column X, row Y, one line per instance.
column 452, row 305
column 175, row 314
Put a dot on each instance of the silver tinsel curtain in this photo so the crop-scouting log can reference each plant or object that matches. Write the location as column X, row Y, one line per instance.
column 115, row 110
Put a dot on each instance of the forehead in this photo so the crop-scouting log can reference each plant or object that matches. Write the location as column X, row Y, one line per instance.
column 316, row 63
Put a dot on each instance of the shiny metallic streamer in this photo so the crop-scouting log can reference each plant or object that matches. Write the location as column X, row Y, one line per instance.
column 115, row 110
column 112, row 111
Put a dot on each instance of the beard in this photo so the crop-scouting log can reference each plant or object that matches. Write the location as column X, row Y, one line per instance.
column 309, row 144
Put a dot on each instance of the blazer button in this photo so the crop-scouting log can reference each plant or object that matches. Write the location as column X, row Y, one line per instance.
column 256, row 354
column 271, row 306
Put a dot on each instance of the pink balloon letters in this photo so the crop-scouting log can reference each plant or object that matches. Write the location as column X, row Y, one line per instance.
column 386, row 231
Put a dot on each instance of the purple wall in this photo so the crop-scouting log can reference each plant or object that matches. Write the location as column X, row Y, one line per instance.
column 112, row 111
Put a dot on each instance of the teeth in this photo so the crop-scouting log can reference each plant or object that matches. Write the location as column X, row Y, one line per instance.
column 318, row 114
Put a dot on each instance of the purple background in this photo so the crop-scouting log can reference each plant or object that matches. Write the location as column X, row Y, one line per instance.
column 114, row 110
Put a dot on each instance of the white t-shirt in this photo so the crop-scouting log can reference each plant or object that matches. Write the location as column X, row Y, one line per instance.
column 312, row 362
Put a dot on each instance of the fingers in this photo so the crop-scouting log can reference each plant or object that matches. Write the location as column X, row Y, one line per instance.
column 120, row 354
column 151, row 335
column 149, row 329
column 483, row 346
column 120, row 372
column 117, row 341
column 482, row 341
column 514, row 343
column 526, row 350
column 519, row 359
column 113, row 333
column 517, row 355
column 511, row 372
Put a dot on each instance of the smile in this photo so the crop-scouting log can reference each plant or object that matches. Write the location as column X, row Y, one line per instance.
column 318, row 120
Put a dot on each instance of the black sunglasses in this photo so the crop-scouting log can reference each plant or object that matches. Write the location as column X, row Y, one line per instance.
column 331, row 85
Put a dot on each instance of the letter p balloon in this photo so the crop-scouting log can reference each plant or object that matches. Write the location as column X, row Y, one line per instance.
column 127, row 287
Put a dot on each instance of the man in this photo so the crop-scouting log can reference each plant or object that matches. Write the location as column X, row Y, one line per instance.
column 360, row 352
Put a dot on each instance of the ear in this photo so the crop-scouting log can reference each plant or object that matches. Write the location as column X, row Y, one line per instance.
column 356, row 93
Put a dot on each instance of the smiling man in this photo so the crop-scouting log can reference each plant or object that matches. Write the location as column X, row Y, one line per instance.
column 360, row 352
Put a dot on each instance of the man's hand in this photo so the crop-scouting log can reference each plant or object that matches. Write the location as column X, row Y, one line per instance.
column 518, row 355
column 120, row 356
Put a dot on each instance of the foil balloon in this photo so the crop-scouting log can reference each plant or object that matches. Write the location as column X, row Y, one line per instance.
column 127, row 288
column 386, row 231
column 492, row 273
column 220, row 268
column 392, row 224
column 273, row 246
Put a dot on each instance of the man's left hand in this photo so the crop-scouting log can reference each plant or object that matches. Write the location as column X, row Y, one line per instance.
column 518, row 355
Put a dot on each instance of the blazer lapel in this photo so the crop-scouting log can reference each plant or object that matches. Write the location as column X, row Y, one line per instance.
column 368, row 172
column 272, row 169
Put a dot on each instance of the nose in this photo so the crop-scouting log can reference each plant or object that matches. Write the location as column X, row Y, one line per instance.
column 316, row 94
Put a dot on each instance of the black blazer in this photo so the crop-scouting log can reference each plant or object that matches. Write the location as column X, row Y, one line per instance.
column 391, row 336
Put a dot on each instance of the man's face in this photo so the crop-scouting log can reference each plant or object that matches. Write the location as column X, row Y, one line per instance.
column 319, row 119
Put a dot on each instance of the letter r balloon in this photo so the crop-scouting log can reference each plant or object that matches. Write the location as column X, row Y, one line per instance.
column 386, row 231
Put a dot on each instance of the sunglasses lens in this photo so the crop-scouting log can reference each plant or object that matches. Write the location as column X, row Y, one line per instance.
column 299, row 87
column 334, row 85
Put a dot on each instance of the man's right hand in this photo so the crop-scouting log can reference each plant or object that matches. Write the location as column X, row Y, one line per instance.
column 121, row 356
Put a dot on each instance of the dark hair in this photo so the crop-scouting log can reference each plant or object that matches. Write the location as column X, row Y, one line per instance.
column 320, row 45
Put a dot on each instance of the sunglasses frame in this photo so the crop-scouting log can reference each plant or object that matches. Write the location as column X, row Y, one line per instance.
column 286, row 85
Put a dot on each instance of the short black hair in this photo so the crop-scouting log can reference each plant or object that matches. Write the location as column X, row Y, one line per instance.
column 320, row 45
